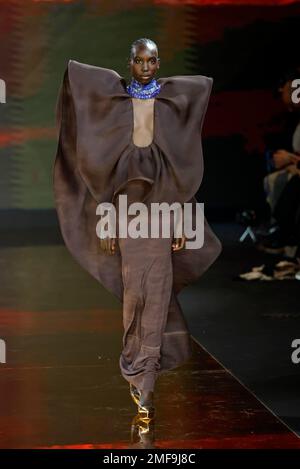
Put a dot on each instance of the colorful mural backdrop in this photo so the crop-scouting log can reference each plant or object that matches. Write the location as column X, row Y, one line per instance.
column 244, row 46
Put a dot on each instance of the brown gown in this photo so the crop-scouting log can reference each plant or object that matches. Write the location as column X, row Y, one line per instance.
column 109, row 145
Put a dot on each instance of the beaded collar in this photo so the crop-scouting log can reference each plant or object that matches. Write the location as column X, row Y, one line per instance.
column 139, row 90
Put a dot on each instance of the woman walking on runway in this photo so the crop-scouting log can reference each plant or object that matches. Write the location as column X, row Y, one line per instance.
column 141, row 140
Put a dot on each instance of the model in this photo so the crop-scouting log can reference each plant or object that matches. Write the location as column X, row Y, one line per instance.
column 140, row 139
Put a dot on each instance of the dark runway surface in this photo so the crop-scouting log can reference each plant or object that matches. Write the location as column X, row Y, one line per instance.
column 61, row 385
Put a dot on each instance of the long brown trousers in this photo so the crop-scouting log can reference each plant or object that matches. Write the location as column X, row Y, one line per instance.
column 149, row 305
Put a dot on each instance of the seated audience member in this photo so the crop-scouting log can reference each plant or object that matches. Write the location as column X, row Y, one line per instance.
column 286, row 212
column 284, row 149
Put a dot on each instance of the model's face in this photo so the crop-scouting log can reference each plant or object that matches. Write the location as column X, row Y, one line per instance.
column 144, row 64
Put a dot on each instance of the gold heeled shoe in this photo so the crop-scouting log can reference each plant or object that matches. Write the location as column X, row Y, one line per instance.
column 135, row 394
column 142, row 433
column 146, row 412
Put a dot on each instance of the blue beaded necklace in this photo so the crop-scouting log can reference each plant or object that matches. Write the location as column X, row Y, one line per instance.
column 139, row 90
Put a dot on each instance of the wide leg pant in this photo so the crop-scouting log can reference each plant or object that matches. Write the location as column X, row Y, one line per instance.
column 149, row 306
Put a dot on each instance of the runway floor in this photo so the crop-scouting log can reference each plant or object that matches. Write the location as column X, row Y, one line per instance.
column 61, row 386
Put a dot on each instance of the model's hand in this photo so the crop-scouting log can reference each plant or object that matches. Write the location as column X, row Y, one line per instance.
column 108, row 245
column 107, row 242
column 283, row 158
column 178, row 243
column 292, row 168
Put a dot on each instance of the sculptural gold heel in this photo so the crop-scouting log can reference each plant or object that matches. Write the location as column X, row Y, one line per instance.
column 146, row 413
column 135, row 394
column 142, row 433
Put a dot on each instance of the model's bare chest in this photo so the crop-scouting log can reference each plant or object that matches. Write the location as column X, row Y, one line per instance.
column 143, row 116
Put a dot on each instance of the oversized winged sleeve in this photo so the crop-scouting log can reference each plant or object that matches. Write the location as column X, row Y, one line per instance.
column 95, row 156
column 75, row 197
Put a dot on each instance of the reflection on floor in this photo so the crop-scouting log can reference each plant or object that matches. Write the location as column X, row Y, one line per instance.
column 61, row 387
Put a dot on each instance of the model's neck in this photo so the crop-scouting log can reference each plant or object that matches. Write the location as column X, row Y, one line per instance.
column 136, row 89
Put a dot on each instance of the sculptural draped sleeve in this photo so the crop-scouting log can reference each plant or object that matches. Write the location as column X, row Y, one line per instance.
column 96, row 156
